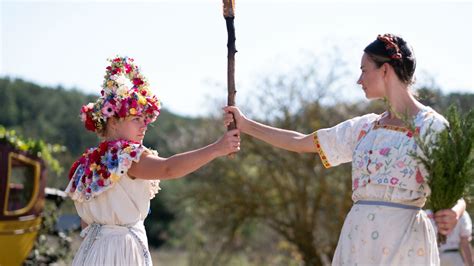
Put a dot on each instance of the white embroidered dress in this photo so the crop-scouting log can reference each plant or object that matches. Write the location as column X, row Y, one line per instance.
column 112, row 204
column 396, row 231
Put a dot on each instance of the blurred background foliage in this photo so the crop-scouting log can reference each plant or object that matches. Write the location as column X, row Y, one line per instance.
column 263, row 207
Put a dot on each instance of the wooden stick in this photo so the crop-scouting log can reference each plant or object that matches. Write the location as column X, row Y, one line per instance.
column 229, row 14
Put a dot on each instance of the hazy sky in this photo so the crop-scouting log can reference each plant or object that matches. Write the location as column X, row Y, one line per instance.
column 181, row 45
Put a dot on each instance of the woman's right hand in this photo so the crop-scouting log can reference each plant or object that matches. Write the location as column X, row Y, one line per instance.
column 231, row 112
column 229, row 143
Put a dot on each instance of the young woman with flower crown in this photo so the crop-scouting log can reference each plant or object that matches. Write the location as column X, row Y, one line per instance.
column 112, row 184
column 386, row 225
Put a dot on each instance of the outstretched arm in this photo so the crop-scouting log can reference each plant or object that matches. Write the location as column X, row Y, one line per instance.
column 281, row 138
column 154, row 167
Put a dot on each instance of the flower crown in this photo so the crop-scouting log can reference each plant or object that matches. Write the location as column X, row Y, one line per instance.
column 391, row 46
column 125, row 92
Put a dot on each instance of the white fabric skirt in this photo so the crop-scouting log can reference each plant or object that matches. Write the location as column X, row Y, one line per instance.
column 113, row 245
column 383, row 235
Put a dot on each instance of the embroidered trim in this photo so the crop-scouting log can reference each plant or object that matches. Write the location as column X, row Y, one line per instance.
column 390, row 127
column 320, row 151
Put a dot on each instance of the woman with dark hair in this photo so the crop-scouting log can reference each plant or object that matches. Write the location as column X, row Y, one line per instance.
column 386, row 224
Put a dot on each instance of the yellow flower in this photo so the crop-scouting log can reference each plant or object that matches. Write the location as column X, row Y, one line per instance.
column 133, row 111
column 93, row 166
column 110, row 83
column 114, row 177
column 142, row 100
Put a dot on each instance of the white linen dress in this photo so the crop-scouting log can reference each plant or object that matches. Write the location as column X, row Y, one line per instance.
column 112, row 204
column 386, row 225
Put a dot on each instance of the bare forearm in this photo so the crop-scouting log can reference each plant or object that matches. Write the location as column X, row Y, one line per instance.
column 466, row 251
column 281, row 138
column 184, row 163
column 459, row 208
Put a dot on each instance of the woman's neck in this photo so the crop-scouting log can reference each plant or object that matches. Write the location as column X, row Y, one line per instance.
column 402, row 103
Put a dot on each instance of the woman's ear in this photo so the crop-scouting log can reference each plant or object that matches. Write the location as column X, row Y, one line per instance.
column 386, row 69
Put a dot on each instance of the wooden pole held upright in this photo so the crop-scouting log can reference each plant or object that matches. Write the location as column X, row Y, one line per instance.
column 229, row 14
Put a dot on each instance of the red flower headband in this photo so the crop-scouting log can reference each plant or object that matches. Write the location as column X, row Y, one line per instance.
column 391, row 46
column 125, row 92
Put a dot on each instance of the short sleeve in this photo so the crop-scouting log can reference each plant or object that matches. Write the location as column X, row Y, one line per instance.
column 100, row 168
column 466, row 226
column 335, row 145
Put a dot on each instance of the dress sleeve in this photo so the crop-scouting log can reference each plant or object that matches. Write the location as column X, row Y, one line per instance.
column 335, row 145
column 466, row 226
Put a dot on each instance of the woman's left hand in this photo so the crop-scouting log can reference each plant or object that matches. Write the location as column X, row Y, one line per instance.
column 446, row 220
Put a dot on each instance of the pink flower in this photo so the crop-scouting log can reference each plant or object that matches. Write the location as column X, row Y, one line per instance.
column 356, row 183
column 108, row 110
column 378, row 165
column 384, row 151
column 394, row 181
column 400, row 164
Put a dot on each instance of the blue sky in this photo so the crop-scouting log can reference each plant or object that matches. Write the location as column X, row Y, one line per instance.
column 181, row 45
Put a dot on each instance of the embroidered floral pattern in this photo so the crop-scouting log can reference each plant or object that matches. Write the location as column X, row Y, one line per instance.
column 101, row 167
column 386, row 160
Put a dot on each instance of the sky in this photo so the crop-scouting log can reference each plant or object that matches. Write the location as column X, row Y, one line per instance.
column 180, row 45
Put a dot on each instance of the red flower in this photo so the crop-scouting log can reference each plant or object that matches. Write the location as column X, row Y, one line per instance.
column 94, row 157
column 100, row 182
column 134, row 103
column 90, row 125
column 137, row 81
column 73, row 169
column 409, row 134
column 123, row 109
column 128, row 68
column 133, row 153
column 361, row 134
column 88, row 190
column 419, row 177
column 143, row 92
column 118, row 59
column 103, row 146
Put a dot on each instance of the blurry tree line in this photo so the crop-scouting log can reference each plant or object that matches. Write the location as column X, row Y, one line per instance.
column 272, row 206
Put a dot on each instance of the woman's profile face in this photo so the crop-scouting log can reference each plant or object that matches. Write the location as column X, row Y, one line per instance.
column 371, row 78
column 131, row 128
